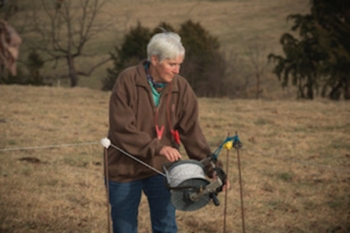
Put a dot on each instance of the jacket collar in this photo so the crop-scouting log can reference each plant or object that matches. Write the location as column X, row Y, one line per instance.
column 142, row 79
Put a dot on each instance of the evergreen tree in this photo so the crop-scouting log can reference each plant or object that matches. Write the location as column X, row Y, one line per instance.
column 321, row 57
column 204, row 66
column 333, row 16
column 33, row 77
column 131, row 52
column 163, row 27
column 302, row 57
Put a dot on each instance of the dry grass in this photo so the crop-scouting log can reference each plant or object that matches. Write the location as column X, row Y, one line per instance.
column 295, row 164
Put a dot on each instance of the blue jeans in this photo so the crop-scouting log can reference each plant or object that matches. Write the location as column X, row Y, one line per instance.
column 125, row 199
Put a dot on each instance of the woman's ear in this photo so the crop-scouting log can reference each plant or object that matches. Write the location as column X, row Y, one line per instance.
column 154, row 60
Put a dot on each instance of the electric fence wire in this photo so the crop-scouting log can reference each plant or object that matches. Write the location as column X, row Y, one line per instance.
column 245, row 150
column 48, row 146
column 294, row 160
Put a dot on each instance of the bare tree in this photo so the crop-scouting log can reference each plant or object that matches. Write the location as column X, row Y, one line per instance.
column 258, row 58
column 8, row 9
column 235, row 81
column 62, row 28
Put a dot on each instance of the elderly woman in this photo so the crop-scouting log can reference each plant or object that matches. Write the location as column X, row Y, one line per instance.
column 152, row 109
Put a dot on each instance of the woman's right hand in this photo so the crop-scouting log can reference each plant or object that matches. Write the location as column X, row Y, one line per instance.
column 170, row 153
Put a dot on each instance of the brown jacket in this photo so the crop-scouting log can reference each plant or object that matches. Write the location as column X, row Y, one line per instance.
column 132, row 119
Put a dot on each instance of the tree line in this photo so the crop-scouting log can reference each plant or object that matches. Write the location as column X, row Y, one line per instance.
column 204, row 67
column 315, row 59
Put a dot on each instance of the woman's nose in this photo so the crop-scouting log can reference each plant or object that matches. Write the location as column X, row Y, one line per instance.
column 176, row 69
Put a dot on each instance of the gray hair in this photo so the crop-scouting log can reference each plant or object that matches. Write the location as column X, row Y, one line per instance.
column 165, row 45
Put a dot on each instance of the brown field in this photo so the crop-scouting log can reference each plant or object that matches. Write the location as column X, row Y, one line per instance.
column 295, row 164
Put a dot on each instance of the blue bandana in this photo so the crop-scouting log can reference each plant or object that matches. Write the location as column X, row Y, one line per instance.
column 158, row 86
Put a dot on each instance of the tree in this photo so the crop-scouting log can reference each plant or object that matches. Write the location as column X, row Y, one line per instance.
column 8, row 9
column 131, row 52
column 34, row 64
column 321, row 57
column 333, row 16
column 205, row 66
column 62, row 30
column 33, row 77
column 257, row 57
column 302, row 57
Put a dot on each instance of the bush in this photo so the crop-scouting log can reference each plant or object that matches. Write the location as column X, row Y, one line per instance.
column 33, row 77
column 204, row 66
column 131, row 52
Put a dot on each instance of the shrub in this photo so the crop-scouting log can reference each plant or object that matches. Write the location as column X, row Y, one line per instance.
column 204, row 66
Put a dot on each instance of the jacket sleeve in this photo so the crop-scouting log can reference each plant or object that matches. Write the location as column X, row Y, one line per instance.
column 122, row 127
column 191, row 134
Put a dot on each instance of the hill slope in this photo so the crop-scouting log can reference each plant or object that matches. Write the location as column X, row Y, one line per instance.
column 239, row 25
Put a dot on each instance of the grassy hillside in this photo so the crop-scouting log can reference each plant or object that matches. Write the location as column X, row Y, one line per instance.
column 295, row 164
column 238, row 25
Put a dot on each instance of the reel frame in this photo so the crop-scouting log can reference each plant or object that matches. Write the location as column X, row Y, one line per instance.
column 193, row 190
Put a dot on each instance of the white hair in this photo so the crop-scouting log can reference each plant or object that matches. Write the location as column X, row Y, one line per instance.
column 165, row 45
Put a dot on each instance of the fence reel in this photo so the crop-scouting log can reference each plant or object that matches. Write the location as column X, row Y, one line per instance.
column 186, row 179
column 190, row 190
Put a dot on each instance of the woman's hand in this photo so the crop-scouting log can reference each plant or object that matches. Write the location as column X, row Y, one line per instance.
column 226, row 186
column 170, row 153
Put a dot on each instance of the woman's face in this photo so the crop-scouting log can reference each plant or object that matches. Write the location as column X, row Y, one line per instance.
column 166, row 70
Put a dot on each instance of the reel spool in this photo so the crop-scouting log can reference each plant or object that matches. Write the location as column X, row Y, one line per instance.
column 190, row 190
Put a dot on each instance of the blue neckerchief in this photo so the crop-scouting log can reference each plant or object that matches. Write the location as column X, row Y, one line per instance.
column 158, row 86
